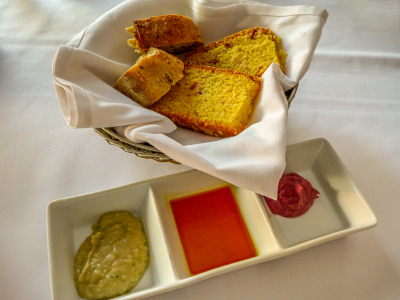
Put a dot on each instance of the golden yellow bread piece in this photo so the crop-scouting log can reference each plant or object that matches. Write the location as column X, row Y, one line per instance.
column 153, row 75
column 251, row 51
column 172, row 33
column 211, row 100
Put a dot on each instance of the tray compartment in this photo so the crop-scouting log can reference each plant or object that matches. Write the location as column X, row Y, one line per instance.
column 193, row 182
column 70, row 223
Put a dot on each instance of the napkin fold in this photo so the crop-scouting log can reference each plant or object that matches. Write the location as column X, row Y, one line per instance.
column 85, row 70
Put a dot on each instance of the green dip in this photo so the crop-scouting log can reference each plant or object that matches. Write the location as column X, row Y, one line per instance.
column 112, row 260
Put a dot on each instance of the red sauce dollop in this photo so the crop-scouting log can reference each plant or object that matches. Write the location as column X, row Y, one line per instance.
column 212, row 230
column 295, row 196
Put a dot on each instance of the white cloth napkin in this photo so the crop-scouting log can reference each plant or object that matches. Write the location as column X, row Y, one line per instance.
column 85, row 70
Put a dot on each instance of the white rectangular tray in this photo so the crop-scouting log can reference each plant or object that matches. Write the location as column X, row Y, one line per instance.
column 339, row 211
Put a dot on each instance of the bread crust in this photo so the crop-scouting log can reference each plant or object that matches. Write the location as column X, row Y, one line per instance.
column 251, row 31
column 171, row 33
column 153, row 75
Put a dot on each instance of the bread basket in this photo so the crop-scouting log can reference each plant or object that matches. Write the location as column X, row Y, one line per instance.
column 146, row 150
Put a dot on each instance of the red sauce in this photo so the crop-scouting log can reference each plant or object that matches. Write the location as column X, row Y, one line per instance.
column 211, row 230
column 296, row 195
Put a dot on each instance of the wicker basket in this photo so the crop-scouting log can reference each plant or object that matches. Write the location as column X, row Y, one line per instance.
column 146, row 150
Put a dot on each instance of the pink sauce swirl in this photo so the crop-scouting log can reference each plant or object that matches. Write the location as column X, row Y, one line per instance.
column 295, row 196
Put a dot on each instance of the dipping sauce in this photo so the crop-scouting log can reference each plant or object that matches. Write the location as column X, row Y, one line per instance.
column 296, row 195
column 212, row 230
column 112, row 260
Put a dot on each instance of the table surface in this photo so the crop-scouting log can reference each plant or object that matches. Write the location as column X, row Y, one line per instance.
column 350, row 96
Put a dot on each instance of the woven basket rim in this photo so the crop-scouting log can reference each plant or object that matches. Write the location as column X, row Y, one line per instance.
column 147, row 150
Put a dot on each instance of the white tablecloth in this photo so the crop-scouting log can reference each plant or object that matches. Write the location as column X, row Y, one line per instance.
column 350, row 96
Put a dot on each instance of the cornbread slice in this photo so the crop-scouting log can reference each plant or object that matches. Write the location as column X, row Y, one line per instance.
column 211, row 100
column 153, row 75
column 251, row 51
column 172, row 33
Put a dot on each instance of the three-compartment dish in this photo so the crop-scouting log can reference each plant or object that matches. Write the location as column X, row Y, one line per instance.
column 340, row 210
